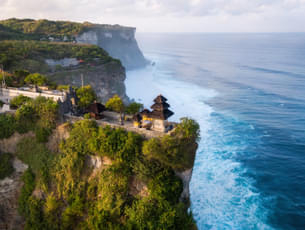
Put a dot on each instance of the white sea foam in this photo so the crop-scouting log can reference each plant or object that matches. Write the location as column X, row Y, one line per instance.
column 221, row 196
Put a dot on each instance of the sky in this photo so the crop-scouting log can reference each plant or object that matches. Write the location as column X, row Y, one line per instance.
column 169, row 15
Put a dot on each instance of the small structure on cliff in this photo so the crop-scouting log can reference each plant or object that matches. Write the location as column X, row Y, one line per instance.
column 157, row 118
column 96, row 110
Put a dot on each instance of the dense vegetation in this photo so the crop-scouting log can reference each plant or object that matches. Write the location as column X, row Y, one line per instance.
column 7, row 33
column 174, row 150
column 20, row 78
column 37, row 29
column 31, row 55
column 29, row 29
column 39, row 115
column 75, row 195
column 6, row 165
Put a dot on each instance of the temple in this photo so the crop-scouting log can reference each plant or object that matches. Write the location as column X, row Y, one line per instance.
column 157, row 118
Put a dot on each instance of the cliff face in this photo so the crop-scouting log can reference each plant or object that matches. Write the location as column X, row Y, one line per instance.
column 107, row 80
column 9, row 193
column 10, row 186
column 118, row 41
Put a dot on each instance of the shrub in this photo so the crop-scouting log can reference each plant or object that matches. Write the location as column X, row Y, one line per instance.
column 38, row 157
column 62, row 87
column 26, row 118
column 6, row 165
column 36, row 79
column 42, row 134
column 87, row 116
column 72, row 213
column 26, row 191
column 86, row 96
column 35, row 219
column 133, row 108
column 150, row 213
column 7, row 125
column 188, row 128
column 18, row 101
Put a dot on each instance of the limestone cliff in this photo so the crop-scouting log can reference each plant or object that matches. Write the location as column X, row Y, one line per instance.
column 107, row 79
column 118, row 41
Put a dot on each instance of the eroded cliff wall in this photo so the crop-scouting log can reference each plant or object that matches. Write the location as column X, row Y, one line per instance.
column 118, row 41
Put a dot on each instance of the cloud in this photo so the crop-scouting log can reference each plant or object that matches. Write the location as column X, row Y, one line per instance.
column 235, row 15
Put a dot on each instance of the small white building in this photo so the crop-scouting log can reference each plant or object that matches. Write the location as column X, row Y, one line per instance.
column 6, row 94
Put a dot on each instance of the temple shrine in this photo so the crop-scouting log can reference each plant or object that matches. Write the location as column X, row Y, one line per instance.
column 157, row 118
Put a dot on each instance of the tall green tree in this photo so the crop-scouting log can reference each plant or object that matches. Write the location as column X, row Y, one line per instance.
column 36, row 79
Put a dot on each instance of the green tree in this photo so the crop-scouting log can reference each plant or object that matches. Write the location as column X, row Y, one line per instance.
column 133, row 108
column 188, row 128
column 36, row 79
column 116, row 104
column 47, row 110
column 19, row 77
column 26, row 118
column 86, row 96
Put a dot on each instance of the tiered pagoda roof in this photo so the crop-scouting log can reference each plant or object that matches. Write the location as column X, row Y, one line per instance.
column 160, row 109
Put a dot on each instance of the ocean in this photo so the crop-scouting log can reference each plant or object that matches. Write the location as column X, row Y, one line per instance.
column 247, row 92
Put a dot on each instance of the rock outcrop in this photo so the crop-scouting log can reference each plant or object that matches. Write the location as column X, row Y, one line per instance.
column 9, row 193
column 186, row 177
column 138, row 187
column 9, row 145
column 118, row 41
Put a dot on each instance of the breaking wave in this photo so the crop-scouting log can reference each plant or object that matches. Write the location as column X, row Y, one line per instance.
column 222, row 193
